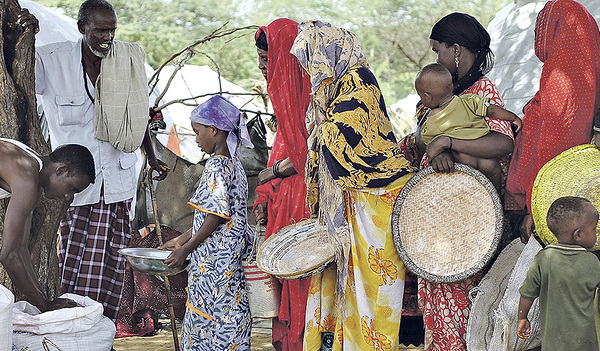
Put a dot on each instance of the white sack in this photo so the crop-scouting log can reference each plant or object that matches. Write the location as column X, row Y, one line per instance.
column 27, row 318
column 7, row 300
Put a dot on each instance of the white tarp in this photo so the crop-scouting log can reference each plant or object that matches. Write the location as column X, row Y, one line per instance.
column 191, row 81
column 54, row 27
column 517, row 70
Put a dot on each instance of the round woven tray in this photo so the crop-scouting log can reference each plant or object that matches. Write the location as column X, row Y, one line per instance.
column 296, row 251
column 447, row 226
column 575, row 172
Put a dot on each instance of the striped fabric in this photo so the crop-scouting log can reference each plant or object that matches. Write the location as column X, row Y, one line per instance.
column 90, row 265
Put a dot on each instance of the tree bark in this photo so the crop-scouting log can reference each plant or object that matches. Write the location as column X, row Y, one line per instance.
column 19, row 120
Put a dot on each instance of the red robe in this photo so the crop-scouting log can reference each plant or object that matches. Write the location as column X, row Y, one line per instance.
column 561, row 113
column 289, row 88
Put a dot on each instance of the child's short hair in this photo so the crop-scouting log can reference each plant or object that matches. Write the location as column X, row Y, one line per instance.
column 438, row 71
column 434, row 68
column 564, row 214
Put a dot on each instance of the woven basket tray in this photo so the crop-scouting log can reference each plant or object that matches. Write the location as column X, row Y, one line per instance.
column 447, row 226
column 296, row 251
column 575, row 172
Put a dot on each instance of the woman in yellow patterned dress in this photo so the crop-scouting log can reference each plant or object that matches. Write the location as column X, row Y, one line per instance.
column 354, row 173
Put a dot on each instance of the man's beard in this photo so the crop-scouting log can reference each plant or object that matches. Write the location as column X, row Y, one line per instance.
column 97, row 53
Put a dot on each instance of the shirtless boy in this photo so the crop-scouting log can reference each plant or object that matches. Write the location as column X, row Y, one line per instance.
column 24, row 176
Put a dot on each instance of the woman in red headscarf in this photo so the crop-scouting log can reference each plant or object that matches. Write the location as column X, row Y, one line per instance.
column 561, row 113
column 282, row 192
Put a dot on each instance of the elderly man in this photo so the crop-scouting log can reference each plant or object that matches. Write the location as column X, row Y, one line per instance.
column 95, row 92
column 67, row 170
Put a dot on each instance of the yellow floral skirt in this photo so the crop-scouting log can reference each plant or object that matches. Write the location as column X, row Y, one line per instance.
column 370, row 319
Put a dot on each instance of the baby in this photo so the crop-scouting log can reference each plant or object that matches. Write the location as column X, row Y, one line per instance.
column 459, row 117
column 565, row 277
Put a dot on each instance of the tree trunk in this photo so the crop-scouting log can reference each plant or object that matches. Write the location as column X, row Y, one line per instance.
column 19, row 120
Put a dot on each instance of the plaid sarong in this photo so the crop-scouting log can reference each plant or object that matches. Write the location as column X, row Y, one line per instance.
column 90, row 265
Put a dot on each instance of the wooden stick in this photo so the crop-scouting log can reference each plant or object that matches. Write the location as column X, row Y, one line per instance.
column 160, row 243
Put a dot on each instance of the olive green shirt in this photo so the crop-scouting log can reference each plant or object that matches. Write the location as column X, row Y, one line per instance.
column 564, row 277
column 463, row 118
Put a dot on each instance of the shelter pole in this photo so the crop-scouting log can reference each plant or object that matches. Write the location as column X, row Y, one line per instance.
column 166, row 278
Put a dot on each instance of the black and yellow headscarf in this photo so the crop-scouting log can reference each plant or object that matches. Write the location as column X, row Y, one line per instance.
column 356, row 138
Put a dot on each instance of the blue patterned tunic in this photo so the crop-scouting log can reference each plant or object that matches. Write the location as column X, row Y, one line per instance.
column 218, row 314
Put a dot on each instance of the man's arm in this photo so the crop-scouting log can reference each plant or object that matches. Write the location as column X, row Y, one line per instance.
column 155, row 164
column 15, row 256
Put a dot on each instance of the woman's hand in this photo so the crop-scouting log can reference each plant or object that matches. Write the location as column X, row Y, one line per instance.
column 526, row 228
column 177, row 242
column 437, row 146
column 443, row 162
column 265, row 176
column 285, row 168
column 177, row 257
column 171, row 245
column 260, row 213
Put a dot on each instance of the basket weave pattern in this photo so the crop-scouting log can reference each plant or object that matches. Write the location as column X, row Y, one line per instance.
column 447, row 225
column 575, row 172
column 296, row 251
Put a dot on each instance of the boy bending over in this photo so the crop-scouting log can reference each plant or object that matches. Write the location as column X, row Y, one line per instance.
column 24, row 176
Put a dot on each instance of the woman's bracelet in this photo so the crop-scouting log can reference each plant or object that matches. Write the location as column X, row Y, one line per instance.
column 276, row 170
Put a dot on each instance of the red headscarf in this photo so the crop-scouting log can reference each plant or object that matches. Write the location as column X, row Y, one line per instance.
column 289, row 89
column 561, row 113
column 288, row 86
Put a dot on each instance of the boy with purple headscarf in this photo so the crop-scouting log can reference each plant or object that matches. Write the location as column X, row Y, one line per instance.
column 218, row 314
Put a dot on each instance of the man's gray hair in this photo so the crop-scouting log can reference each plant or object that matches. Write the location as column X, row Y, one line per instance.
column 88, row 6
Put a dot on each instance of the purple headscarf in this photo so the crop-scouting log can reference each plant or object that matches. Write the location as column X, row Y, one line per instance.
column 219, row 112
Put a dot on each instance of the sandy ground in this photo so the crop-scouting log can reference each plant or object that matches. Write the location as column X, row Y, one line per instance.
column 163, row 341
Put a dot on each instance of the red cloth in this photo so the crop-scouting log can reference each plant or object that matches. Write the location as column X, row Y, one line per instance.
column 561, row 113
column 145, row 296
column 289, row 88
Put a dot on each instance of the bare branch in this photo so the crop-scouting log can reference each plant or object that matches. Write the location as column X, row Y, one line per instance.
column 410, row 59
column 190, row 51
column 184, row 101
